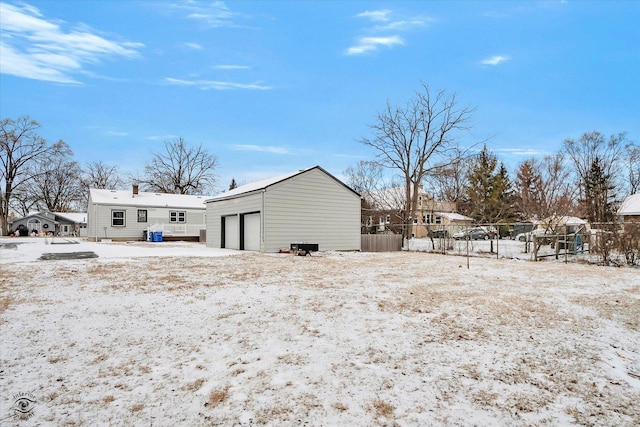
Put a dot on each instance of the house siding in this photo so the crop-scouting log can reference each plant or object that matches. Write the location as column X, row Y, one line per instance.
column 311, row 207
column 239, row 205
column 99, row 222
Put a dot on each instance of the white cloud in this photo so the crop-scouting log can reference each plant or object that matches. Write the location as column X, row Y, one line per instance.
column 378, row 35
column 231, row 67
column 213, row 14
column 261, row 148
column 36, row 48
column 194, row 46
column 494, row 60
column 215, row 85
column 369, row 44
column 526, row 152
column 375, row 15
column 116, row 133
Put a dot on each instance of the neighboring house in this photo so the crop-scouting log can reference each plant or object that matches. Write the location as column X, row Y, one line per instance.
column 130, row 215
column 630, row 209
column 564, row 225
column 52, row 223
column 307, row 206
column 431, row 216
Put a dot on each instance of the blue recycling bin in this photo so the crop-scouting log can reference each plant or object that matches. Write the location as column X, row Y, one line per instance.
column 158, row 236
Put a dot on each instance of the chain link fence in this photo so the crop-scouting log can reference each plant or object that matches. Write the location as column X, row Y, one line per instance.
column 602, row 244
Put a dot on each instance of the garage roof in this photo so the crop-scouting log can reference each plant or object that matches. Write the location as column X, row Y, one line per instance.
column 265, row 183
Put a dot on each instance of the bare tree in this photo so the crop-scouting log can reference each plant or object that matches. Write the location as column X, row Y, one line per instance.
column 591, row 148
column 101, row 175
column 56, row 181
column 417, row 138
column 180, row 169
column 20, row 148
column 633, row 167
column 448, row 181
column 543, row 188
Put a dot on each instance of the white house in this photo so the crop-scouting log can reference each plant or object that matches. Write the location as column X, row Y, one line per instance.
column 307, row 206
column 129, row 215
column 630, row 209
column 54, row 223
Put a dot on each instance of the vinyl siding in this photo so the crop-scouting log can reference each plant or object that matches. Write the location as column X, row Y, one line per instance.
column 311, row 207
column 218, row 209
column 99, row 222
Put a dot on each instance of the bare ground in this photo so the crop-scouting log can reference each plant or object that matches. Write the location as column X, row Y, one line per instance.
column 334, row 339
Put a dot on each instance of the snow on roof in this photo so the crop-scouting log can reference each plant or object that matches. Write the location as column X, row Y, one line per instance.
column 127, row 198
column 453, row 216
column 77, row 217
column 263, row 184
column 631, row 205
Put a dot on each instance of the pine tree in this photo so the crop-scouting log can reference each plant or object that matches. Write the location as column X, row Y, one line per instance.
column 233, row 184
column 528, row 194
column 599, row 194
column 488, row 191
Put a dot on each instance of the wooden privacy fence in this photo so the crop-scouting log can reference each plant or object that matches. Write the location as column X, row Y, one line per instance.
column 380, row 242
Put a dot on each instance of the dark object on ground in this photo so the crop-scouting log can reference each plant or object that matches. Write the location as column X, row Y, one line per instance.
column 304, row 248
column 67, row 255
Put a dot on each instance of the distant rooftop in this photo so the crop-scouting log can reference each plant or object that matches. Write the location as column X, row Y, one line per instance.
column 127, row 198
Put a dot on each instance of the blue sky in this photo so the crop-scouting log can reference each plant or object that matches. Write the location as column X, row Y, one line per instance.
column 272, row 87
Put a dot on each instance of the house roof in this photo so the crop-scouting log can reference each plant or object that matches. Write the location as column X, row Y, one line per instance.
column 452, row 216
column 564, row 220
column 142, row 199
column 77, row 217
column 266, row 183
column 631, row 205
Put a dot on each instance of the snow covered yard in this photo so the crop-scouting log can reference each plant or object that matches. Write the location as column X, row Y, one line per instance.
column 179, row 334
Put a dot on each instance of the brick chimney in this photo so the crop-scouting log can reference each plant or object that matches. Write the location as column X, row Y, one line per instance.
column 135, row 189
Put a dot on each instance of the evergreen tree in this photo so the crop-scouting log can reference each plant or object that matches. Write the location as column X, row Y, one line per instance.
column 233, row 184
column 599, row 200
column 528, row 195
column 488, row 192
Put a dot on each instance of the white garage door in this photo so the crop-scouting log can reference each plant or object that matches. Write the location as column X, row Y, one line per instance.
column 252, row 232
column 231, row 232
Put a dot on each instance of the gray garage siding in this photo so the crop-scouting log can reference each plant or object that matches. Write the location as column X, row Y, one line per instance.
column 239, row 205
column 311, row 207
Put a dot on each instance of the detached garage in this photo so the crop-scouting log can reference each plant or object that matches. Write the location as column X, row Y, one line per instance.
column 307, row 206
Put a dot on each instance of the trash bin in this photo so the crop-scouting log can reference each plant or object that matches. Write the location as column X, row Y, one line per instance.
column 144, row 236
column 158, row 236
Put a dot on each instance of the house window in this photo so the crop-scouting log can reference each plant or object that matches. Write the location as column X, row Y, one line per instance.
column 415, row 219
column 179, row 217
column 388, row 219
column 438, row 220
column 142, row 215
column 117, row 218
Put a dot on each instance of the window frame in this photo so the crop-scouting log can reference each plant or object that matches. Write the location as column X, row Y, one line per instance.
column 114, row 219
column 177, row 217
column 146, row 213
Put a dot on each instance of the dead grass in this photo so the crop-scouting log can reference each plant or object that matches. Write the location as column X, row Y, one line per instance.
column 194, row 386
column 382, row 408
column 216, row 397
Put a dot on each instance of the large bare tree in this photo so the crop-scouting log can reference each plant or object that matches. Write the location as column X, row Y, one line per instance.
column 101, row 175
column 55, row 183
column 21, row 147
column 633, row 167
column 543, row 188
column 418, row 138
column 180, row 169
column 595, row 148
